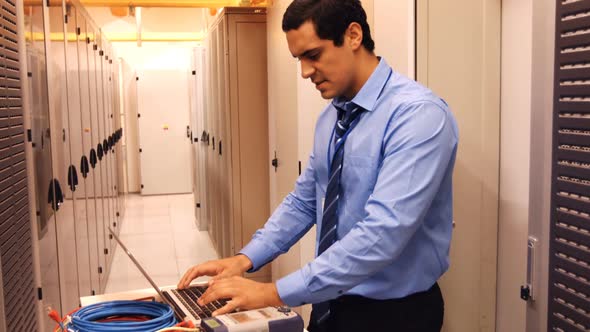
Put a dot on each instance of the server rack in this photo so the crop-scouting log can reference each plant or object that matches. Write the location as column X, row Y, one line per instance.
column 49, row 160
column 569, row 253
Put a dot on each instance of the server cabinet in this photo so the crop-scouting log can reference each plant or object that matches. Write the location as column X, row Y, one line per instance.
column 248, row 113
column 42, row 167
column 569, row 256
column 103, row 149
column 214, row 226
column 17, row 287
column 96, row 154
column 205, row 215
column 198, row 105
column 75, row 140
column 101, row 167
column 113, row 142
column 110, row 149
column 120, row 157
column 72, row 130
column 130, row 125
column 65, row 206
column 194, row 100
column 223, row 137
column 85, row 168
column 237, row 188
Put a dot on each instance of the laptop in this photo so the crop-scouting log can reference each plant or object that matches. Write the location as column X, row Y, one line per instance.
column 184, row 304
column 182, row 301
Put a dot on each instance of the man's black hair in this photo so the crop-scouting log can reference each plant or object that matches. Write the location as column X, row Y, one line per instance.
column 330, row 18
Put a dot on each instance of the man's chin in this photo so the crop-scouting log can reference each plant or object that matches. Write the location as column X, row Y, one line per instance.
column 328, row 94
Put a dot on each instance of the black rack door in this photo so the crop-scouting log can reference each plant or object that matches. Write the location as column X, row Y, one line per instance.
column 16, row 255
column 569, row 269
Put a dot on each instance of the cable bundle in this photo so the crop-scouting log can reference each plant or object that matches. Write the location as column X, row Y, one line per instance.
column 122, row 316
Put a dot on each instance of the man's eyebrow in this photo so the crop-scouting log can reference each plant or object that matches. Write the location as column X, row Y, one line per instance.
column 306, row 53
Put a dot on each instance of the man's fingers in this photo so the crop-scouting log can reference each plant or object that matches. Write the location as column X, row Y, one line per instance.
column 186, row 279
column 217, row 290
column 213, row 294
column 229, row 307
column 189, row 276
column 222, row 275
column 195, row 272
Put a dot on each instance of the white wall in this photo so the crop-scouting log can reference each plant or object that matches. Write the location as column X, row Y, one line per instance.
column 514, row 162
column 157, row 55
column 393, row 32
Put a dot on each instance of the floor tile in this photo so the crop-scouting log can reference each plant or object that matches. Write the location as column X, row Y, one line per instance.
column 146, row 224
column 161, row 232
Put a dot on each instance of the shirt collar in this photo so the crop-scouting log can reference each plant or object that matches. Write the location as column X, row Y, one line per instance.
column 371, row 90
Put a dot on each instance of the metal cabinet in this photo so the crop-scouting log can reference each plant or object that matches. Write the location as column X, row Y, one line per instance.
column 74, row 137
column 234, row 140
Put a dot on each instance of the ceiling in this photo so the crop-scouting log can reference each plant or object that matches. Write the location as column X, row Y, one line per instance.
column 165, row 21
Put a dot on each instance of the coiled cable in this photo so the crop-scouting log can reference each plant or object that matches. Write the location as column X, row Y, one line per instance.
column 122, row 316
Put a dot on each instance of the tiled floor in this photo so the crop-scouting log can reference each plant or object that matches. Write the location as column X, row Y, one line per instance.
column 162, row 234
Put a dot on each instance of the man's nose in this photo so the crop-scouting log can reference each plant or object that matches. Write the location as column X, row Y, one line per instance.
column 306, row 69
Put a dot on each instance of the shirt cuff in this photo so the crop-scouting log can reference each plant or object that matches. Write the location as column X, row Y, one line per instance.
column 257, row 251
column 293, row 290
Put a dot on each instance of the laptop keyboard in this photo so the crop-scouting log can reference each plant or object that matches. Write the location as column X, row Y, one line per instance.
column 189, row 297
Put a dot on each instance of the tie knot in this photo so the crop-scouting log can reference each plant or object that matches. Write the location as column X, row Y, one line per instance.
column 345, row 118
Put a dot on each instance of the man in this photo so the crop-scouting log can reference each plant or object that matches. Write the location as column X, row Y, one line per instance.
column 378, row 185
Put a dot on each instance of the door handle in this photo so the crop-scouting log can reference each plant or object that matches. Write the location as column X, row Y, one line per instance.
column 55, row 196
column 72, row 177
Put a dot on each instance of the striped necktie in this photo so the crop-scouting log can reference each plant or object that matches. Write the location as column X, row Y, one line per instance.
column 329, row 229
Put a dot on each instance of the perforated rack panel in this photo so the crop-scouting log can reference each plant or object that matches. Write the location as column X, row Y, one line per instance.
column 15, row 231
column 569, row 262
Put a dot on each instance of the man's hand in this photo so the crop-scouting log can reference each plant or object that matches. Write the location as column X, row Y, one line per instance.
column 219, row 269
column 244, row 294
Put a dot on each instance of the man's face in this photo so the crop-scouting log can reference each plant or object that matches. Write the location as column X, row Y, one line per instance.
column 330, row 68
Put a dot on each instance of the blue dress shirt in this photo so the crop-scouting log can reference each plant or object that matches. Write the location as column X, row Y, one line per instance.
column 395, row 210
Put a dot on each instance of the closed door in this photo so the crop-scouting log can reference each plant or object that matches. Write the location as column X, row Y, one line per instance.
column 163, row 98
column 66, row 226
column 198, row 80
column 222, row 143
column 458, row 53
column 96, row 195
column 43, row 167
column 86, row 145
column 76, row 190
column 212, row 171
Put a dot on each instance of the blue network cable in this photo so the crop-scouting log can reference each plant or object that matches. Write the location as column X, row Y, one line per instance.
column 86, row 319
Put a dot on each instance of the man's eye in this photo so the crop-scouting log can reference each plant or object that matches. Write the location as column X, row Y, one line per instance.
column 314, row 56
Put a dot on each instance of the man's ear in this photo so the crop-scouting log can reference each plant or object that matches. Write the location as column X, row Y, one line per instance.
column 354, row 36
